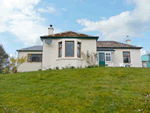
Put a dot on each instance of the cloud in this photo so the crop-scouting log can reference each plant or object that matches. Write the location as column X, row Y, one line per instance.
column 21, row 18
column 63, row 9
column 133, row 23
column 48, row 10
column 143, row 52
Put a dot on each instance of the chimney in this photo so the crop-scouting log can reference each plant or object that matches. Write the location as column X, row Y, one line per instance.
column 50, row 30
column 128, row 41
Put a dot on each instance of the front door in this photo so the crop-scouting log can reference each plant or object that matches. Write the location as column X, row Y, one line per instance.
column 102, row 59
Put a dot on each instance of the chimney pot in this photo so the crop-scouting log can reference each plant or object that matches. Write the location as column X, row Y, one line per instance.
column 50, row 30
column 128, row 41
column 51, row 25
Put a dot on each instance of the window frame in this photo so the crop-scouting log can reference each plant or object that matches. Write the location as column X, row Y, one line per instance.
column 79, row 49
column 126, row 56
column 31, row 58
column 59, row 49
column 65, row 48
column 109, row 55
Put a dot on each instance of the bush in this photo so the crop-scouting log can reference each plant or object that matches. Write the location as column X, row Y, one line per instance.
column 6, row 71
column 63, row 67
column 57, row 68
column 40, row 70
column 72, row 67
column 96, row 66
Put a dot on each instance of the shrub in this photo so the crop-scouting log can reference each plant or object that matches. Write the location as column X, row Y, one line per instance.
column 72, row 67
column 57, row 68
column 66, row 67
column 96, row 66
column 40, row 70
column 6, row 71
column 63, row 67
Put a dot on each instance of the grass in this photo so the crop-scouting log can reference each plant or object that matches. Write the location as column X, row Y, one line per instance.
column 95, row 90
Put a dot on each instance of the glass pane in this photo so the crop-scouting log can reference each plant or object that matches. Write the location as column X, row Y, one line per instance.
column 35, row 58
column 101, row 57
column 60, row 44
column 78, row 45
column 41, row 58
column 60, row 53
column 78, row 52
column 108, row 58
column 69, row 48
column 126, row 59
column 107, row 53
column 126, row 53
column 29, row 57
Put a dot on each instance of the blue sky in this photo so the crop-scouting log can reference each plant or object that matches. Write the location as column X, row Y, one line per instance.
column 24, row 21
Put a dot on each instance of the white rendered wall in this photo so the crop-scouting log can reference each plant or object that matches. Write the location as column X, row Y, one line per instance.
column 135, row 57
column 50, row 53
column 29, row 66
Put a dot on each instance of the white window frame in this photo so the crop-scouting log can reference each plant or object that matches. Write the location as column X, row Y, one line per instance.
column 110, row 56
column 105, row 55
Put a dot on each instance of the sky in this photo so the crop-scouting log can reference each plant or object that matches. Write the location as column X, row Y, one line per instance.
column 24, row 21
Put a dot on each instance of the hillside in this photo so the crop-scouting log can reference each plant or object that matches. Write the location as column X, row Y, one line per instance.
column 76, row 90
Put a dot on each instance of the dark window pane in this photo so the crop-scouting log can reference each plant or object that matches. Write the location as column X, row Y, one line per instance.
column 35, row 58
column 108, row 58
column 126, row 53
column 60, row 44
column 41, row 58
column 78, row 52
column 60, row 52
column 79, row 44
column 107, row 53
column 126, row 59
column 101, row 57
column 69, row 48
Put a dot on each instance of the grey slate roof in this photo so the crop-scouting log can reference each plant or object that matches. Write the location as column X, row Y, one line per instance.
column 114, row 44
column 32, row 48
column 101, row 46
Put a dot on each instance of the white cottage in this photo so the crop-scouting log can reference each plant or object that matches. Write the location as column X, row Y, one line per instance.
column 64, row 49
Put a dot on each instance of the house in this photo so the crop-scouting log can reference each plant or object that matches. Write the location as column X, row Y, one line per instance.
column 145, row 60
column 64, row 49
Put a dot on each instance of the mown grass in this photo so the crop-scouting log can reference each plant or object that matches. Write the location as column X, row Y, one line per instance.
column 76, row 90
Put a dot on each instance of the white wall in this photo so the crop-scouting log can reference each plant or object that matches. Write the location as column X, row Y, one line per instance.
column 50, row 53
column 134, row 55
column 29, row 66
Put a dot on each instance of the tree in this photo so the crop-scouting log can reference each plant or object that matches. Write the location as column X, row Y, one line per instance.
column 16, row 62
column 90, row 58
column 149, row 56
column 4, row 59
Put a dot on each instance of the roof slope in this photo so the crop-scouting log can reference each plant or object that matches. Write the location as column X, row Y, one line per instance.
column 68, row 34
column 114, row 44
column 32, row 48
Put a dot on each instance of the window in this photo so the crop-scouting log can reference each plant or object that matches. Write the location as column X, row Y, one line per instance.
column 60, row 49
column 79, row 49
column 108, row 56
column 69, row 49
column 34, row 57
column 126, row 57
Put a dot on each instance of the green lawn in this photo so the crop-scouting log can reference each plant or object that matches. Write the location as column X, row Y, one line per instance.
column 100, row 89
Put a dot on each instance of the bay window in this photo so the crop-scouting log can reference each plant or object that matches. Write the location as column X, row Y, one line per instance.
column 79, row 49
column 69, row 48
column 60, row 49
